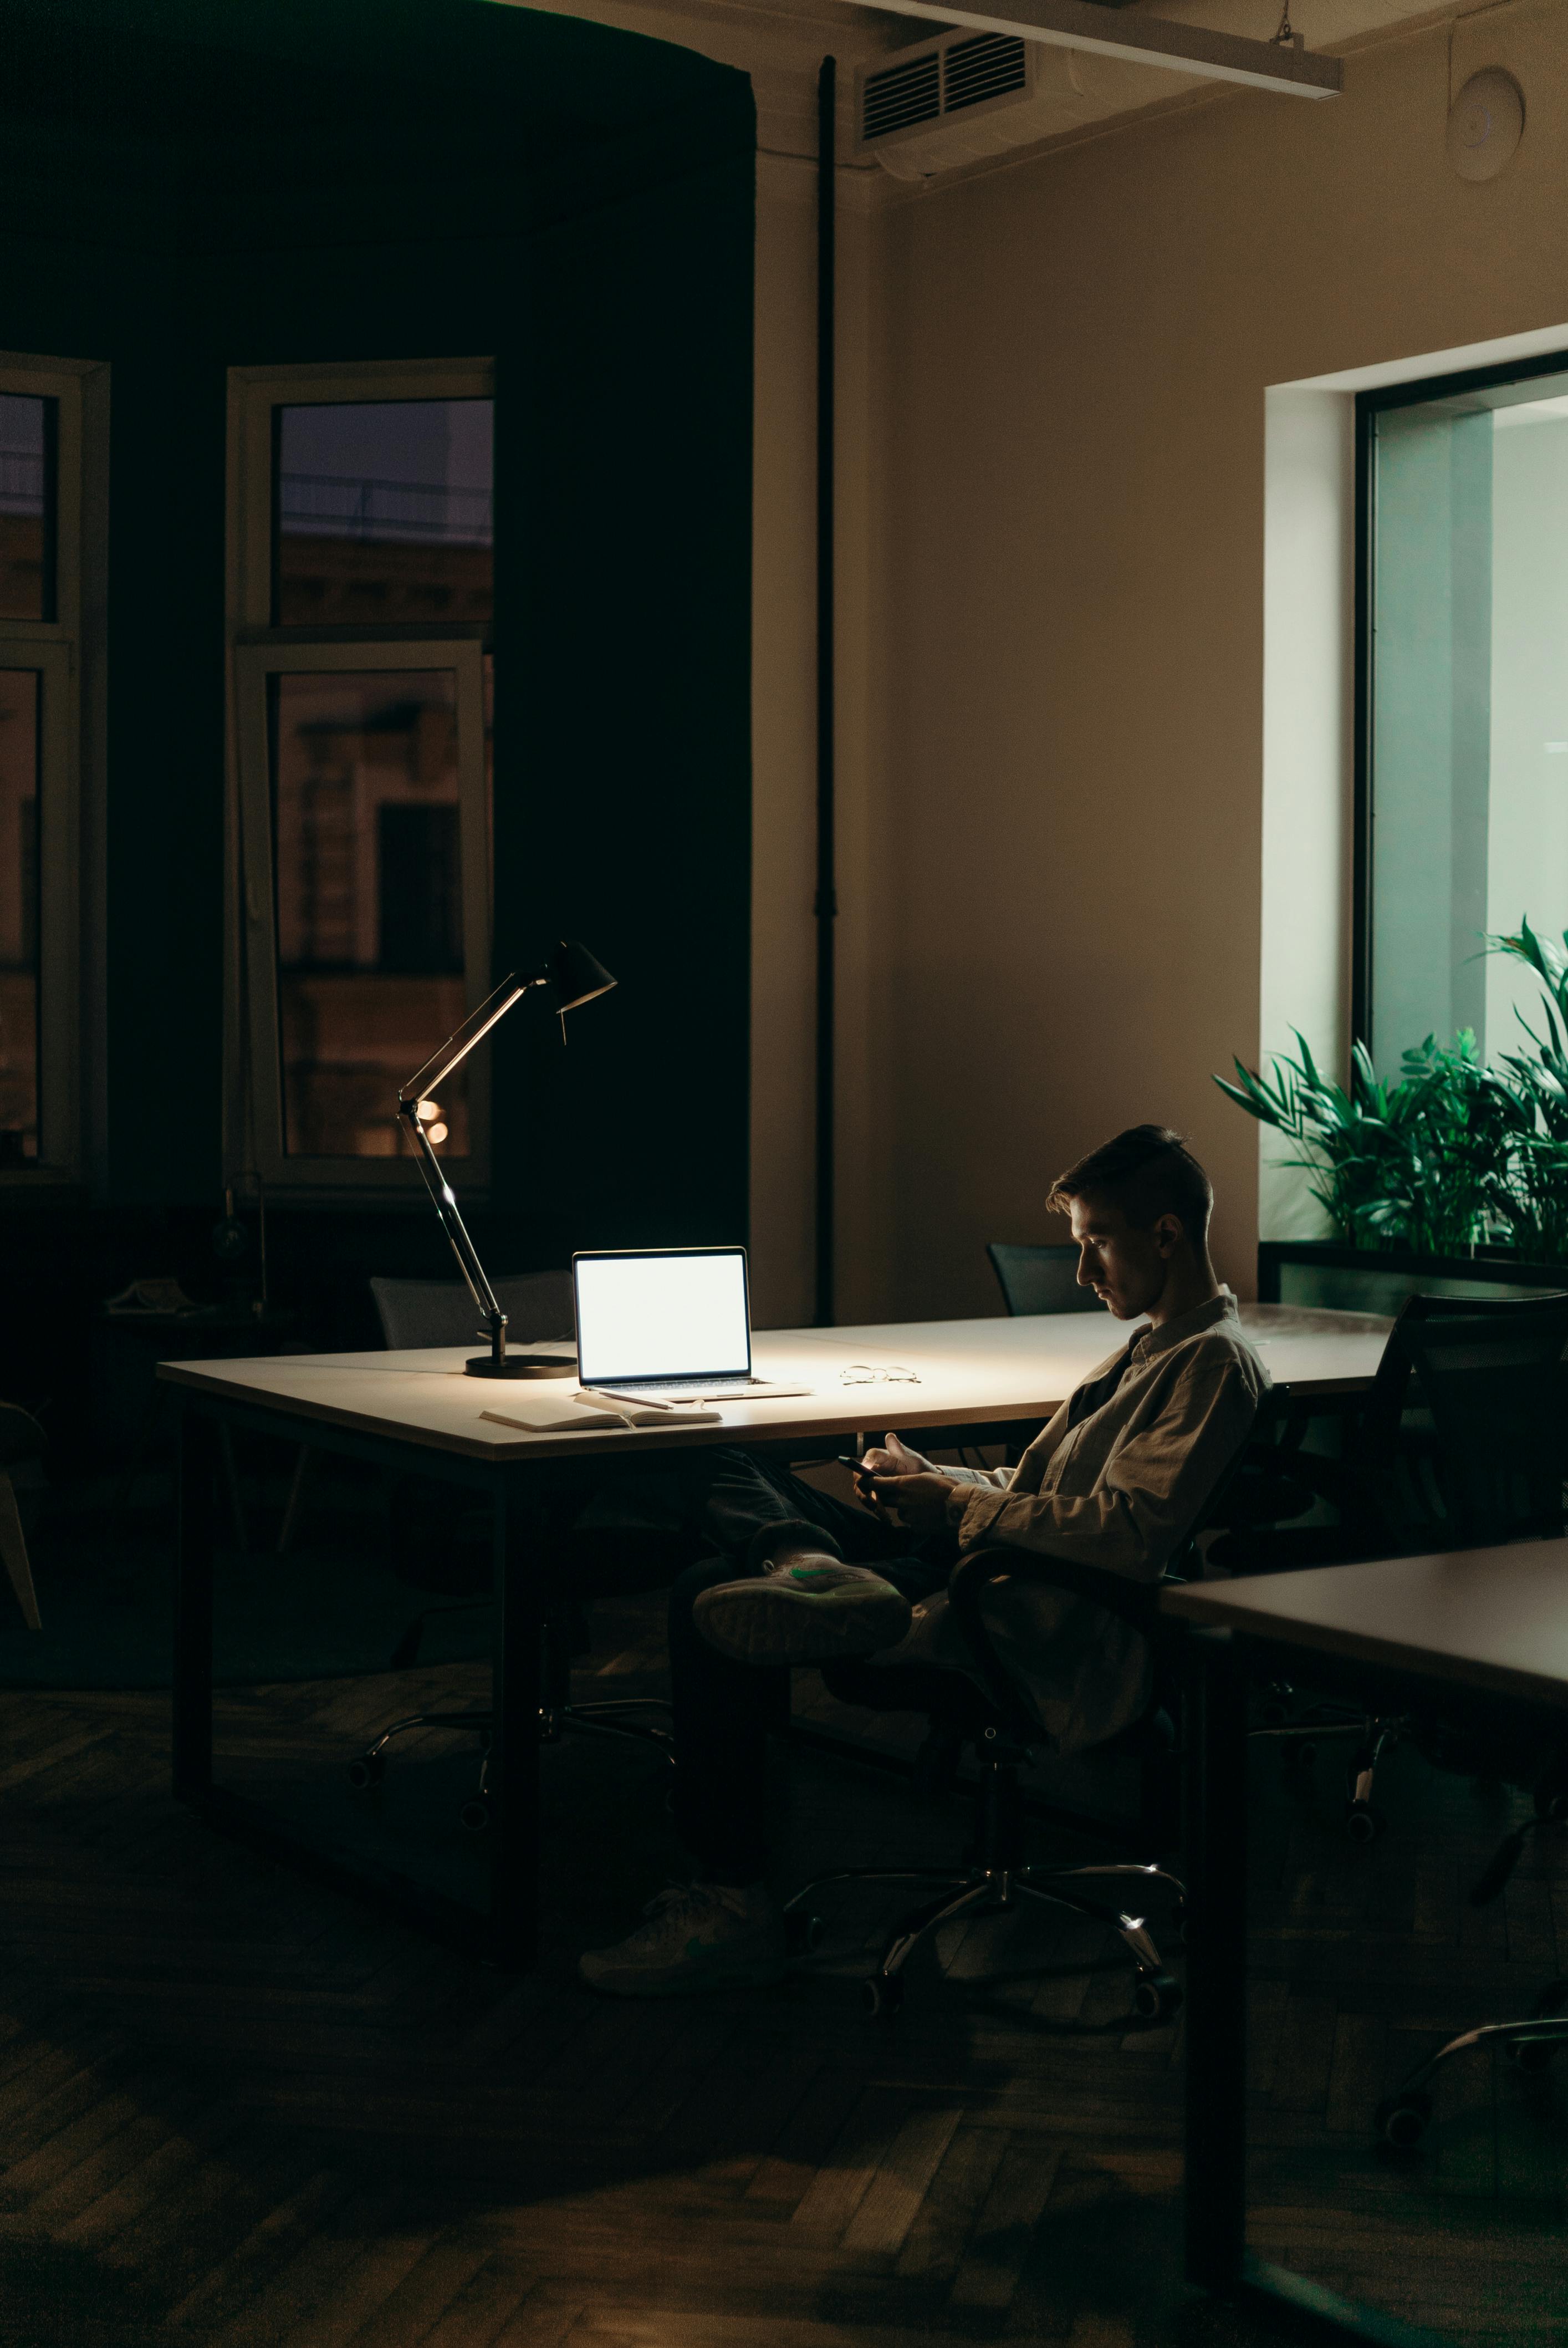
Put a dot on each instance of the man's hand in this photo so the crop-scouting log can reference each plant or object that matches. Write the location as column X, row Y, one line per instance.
column 895, row 1459
column 919, row 1501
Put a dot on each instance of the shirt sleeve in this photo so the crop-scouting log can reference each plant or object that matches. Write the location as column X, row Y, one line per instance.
column 1151, row 1493
column 989, row 1479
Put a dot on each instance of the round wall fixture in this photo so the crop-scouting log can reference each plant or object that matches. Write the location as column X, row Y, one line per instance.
column 1486, row 123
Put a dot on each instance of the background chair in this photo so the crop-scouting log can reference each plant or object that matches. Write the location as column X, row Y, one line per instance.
column 538, row 1308
column 1039, row 1279
column 1459, row 1444
column 22, row 1441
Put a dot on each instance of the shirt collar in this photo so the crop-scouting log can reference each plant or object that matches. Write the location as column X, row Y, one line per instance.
column 1221, row 1308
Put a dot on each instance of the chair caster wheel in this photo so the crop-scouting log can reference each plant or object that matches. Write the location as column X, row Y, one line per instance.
column 1156, row 1997
column 366, row 1771
column 1535, row 2053
column 474, row 1817
column 1403, row 2120
column 883, row 1996
column 1532, row 2055
column 1363, row 1824
column 803, row 1932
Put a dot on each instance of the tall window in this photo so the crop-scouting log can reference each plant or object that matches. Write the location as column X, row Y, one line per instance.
column 41, row 499
column 365, row 563
column 1464, row 744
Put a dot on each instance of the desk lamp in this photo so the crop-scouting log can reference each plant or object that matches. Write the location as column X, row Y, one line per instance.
column 572, row 977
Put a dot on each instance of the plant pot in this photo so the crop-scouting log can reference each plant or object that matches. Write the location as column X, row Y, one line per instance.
column 1326, row 1272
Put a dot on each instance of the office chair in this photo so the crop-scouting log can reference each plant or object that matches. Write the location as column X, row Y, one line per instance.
column 996, row 1722
column 1458, row 1444
column 1493, row 1380
column 1039, row 1279
column 996, row 1725
column 539, row 1307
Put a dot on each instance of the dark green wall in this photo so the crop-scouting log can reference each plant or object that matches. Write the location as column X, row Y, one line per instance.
column 188, row 189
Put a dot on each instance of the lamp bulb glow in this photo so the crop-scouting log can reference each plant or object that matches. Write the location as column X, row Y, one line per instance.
column 435, row 1133
column 426, row 1111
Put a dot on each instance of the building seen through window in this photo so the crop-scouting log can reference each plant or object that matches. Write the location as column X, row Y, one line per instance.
column 383, row 525
column 1468, row 733
column 19, row 939
column 367, row 857
column 383, row 512
column 26, row 507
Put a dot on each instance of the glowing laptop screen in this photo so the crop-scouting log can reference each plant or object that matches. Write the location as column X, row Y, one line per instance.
column 678, row 1313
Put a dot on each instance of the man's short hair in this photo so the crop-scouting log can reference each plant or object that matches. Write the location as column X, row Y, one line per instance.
column 1148, row 1171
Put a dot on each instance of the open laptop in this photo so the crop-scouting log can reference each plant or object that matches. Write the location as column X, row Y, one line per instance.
column 667, row 1324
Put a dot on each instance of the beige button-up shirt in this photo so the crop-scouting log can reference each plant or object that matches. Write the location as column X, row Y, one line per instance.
column 1116, row 1483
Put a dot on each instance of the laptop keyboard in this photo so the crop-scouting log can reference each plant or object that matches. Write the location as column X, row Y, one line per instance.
column 690, row 1385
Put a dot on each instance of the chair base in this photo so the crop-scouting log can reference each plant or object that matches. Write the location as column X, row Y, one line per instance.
column 988, row 1891
column 1403, row 2117
column 367, row 1769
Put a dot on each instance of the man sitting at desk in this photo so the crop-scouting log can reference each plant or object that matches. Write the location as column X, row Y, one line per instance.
column 1116, row 1480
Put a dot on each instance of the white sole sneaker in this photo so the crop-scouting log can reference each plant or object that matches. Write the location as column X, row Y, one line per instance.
column 806, row 1614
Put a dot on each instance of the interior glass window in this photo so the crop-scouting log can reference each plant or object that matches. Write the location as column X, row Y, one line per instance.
column 367, row 851
column 19, row 924
column 383, row 512
column 1468, row 736
column 26, row 507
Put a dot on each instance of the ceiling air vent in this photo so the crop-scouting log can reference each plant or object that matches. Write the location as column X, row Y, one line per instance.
column 903, row 94
column 961, row 97
column 992, row 64
column 911, row 95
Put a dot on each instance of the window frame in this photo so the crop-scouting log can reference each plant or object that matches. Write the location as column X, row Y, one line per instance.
column 61, row 649
column 1369, row 406
column 254, row 1132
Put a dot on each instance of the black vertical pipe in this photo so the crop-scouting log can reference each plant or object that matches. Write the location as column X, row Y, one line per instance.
column 827, row 905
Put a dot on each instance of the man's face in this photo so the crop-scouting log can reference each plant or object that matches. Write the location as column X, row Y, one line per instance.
column 1125, row 1267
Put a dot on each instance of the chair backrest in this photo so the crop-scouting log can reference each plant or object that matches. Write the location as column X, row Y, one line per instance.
column 1491, row 1374
column 1039, row 1279
column 1135, row 1602
column 413, row 1312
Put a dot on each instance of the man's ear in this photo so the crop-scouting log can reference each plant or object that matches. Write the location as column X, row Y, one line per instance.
column 1168, row 1233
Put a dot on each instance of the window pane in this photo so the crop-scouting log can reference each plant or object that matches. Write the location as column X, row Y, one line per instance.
column 1470, row 709
column 18, row 916
column 384, row 512
column 26, row 507
column 367, row 850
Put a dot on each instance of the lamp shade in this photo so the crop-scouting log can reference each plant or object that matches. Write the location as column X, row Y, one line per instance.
column 574, row 977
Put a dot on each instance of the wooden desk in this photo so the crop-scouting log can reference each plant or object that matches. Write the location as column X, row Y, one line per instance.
column 1492, row 1620
column 404, row 1410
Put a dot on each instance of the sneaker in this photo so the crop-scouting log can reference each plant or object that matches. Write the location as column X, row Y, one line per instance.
column 809, row 1608
column 698, row 1936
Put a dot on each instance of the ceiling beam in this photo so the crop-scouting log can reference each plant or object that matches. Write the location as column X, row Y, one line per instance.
column 1141, row 40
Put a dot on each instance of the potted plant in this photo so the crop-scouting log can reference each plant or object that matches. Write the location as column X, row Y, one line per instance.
column 1451, row 1174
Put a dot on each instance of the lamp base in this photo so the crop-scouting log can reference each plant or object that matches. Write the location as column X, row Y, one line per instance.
column 519, row 1365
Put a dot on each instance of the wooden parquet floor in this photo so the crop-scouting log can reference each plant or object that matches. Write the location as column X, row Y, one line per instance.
column 237, row 2109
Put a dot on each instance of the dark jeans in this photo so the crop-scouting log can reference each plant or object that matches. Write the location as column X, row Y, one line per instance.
column 725, row 1710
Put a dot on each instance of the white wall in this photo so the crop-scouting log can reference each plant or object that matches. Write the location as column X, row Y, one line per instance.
column 1309, row 485
column 1066, row 767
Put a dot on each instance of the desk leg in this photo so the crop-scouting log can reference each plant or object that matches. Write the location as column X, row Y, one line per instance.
column 513, row 1775
column 193, row 1608
column 1216, row 1965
